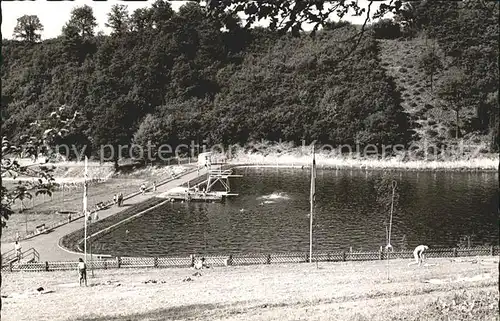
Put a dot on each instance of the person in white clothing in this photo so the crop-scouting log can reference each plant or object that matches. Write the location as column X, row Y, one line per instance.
column 418, row 254
column 18, row 250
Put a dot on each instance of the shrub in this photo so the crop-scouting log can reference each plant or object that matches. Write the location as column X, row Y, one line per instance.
column 431, row 122
column 431, row 132
column 403, row 70
column 413, row 104
column 386, row 29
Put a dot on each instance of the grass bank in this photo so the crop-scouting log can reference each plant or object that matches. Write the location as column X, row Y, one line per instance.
column 72, row 240
column 68, row 196
column 446, row 289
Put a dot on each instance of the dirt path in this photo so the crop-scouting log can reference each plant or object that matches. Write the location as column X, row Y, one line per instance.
column 47, row 244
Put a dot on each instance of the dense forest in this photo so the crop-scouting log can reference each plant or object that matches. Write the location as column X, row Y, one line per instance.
column 175, row 77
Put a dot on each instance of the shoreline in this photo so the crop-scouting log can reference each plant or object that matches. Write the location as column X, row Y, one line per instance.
column 484, row 164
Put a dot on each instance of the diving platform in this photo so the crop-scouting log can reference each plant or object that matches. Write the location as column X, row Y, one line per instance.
column 204, row 189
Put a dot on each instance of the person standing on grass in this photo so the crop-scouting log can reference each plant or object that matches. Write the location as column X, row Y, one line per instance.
column 154, row 186
column 115, row 199
column 143, row 189
column 82, row 271
column 418, row 254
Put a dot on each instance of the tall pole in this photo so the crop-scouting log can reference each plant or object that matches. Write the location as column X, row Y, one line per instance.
column 389, row 246
column 85, row 212
column 313, row 194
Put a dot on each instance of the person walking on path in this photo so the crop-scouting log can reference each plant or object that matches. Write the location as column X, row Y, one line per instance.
column 143, row 189
column 18, row 249
column 154, row 186
column 82, row 271
column 418, row 254
column 120, row 200
column 115, row 199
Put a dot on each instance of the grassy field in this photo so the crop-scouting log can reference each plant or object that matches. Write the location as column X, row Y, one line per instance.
column 44, row 209
column 445, row 289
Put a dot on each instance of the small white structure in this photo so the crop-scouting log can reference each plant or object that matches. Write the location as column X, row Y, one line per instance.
column 205, row 159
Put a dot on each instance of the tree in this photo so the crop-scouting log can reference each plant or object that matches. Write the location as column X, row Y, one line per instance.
column 386, row 29
column 141, row 20
column 43, row 182
column 161, row 12
column 431, row 64
column 118, row 19
column 27, row 28
column 387, row 196
column 149, row 136
column 82, row 21
column 455, row 92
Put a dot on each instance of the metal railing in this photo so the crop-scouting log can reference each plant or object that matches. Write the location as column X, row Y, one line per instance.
column 249, row 259
column 12, row 257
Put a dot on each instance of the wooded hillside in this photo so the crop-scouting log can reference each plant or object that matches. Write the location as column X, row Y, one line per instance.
column 174, row 77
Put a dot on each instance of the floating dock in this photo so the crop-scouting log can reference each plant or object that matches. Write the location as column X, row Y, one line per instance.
column 194, row 197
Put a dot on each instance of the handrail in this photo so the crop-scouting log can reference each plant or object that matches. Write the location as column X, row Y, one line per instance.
column 6, row 253
column 13, row 258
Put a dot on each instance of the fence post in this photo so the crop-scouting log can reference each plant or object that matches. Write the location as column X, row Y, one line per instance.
column 380, row 254
column 46, row 266
column 328, row 257
column 268, row 261
column 105, row 264
column 343, row 256
column 492, row 250
column 307, row 257
column 455, row 253
column 230, row 260
column 155, row 262
column 119, row 261
column 192, row 259
column 10, row 266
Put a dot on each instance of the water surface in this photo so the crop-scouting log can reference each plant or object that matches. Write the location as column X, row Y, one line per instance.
column 271, row 215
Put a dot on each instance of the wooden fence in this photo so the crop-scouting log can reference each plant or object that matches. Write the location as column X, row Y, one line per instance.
column 248, row 259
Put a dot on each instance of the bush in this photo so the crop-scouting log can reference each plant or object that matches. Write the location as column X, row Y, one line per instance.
column 386, row 29
column 428, row 106
column 431, row 132
column 403, row 70
column 431, row 122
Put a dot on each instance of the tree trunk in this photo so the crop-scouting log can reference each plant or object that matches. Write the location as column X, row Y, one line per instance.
column 432, row 74
column 458, row 127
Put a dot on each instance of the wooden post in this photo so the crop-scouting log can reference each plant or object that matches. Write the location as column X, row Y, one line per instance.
column 46, row 266
column 230, row 260
column 192, row 259
column 155, row 262
column 105, row 264
column 492, row 250
column 343, row 256
column 455, row 252
column 380, row 254
column 268, row 261
column 118, row 261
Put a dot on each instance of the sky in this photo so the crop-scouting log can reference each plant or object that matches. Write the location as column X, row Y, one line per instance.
column 54, row 14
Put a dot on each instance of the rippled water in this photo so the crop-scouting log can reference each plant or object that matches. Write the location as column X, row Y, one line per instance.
column 271, row 215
